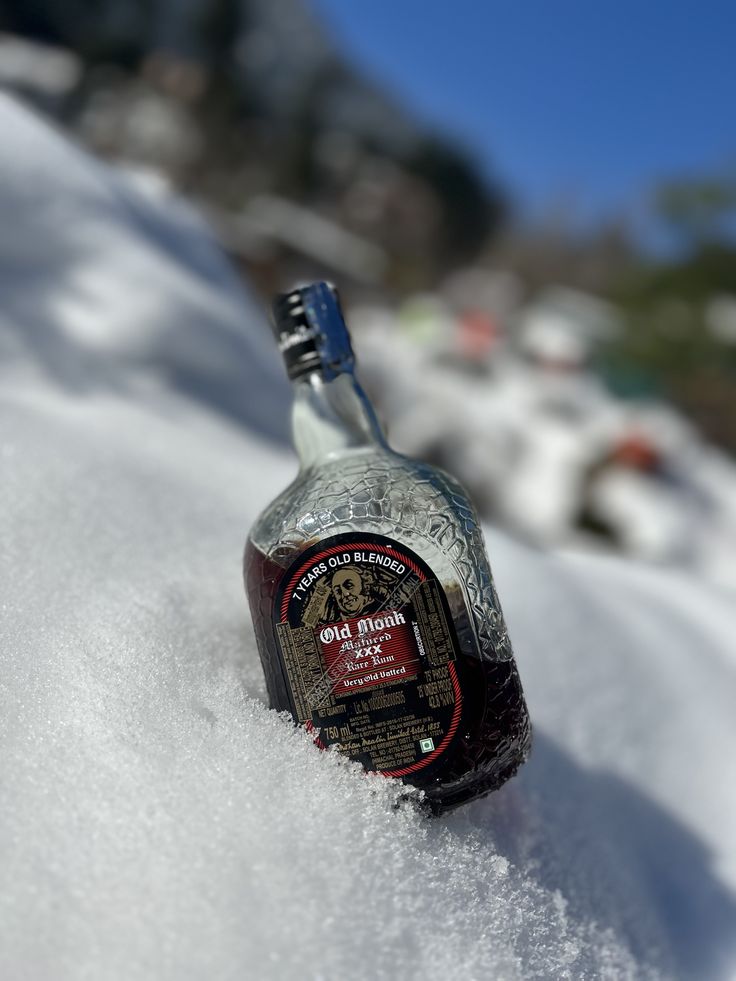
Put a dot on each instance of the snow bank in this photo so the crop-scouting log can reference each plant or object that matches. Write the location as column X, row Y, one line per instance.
column 157, row 820
column 100, row 284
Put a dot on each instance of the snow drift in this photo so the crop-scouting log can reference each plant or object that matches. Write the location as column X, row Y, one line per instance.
column 157, row 820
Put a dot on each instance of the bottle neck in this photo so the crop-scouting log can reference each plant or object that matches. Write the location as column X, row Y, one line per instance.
column 333, row 418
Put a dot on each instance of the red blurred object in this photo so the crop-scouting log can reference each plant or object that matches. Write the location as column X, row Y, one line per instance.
column 478, row 333
column 637, row 452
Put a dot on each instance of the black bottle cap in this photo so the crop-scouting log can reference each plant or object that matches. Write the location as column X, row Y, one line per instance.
column 311, row 331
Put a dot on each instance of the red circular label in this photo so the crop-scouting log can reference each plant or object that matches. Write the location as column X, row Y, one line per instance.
column 369, row 651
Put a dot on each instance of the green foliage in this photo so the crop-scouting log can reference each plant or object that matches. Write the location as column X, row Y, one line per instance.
column 697, row 210
column 667, row 346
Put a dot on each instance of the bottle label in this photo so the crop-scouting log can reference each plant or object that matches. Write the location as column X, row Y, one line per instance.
column 370, row 651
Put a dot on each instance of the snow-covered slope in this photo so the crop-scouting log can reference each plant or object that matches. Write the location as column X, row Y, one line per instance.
column 157, row 820
column 100, row 284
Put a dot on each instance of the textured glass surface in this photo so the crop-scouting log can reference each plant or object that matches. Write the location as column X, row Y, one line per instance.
column 409, row 501
column 375, row 490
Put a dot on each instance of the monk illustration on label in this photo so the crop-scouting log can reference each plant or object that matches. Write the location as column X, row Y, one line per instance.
column 354, row 592
column 350, row 592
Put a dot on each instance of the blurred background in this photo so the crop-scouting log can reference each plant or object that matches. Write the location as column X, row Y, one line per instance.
column 530, row 211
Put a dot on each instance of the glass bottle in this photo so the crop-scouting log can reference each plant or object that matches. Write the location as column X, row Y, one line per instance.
column 375, row 612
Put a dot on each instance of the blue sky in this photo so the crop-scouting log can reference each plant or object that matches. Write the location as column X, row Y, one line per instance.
column 583, row 101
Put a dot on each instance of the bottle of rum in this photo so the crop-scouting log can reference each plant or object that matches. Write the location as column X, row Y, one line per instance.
column 377, row 620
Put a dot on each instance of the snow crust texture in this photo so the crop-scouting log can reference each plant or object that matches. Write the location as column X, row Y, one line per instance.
column 157, row 820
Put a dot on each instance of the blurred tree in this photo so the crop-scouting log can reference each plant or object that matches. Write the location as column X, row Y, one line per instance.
column 471, row 210
column 263, row 85
column 217, row 24
column 98, row 30
column 697, row 210
column 668, row 346
column 213, row 31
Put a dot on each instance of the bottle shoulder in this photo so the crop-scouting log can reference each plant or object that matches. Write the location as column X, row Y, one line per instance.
column 410, row 502
column 363, row 490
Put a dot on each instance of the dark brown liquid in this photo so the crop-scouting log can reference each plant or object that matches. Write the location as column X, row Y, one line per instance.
column 494, row 734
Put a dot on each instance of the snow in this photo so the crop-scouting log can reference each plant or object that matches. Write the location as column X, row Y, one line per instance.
column 157, row 820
